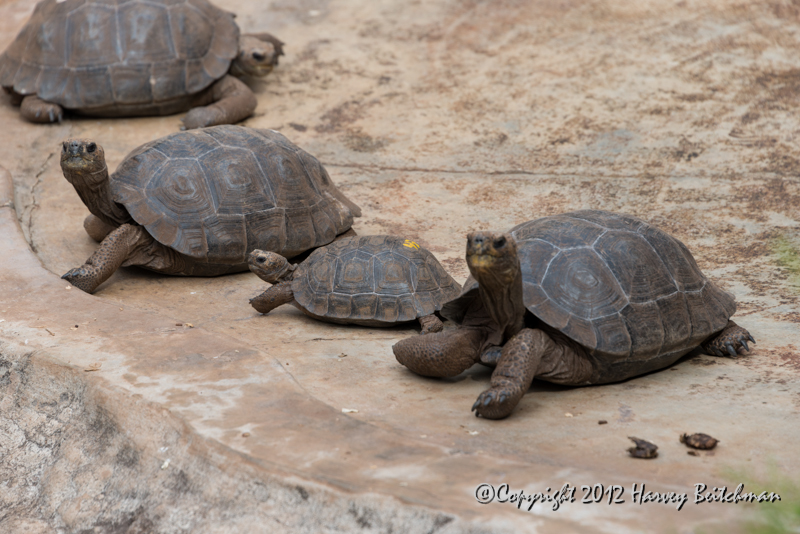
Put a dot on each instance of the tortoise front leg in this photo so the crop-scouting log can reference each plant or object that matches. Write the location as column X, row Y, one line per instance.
column 278, row 295
column 729, row 341
column 442, row 354
column 116, row 248
column 232, row 101
column 531, row 353
column 37, row 110
column 430, row 324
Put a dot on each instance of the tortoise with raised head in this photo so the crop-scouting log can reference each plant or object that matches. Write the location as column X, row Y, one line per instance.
column 197, row 202
column 114, row 58
column 369, row 280
column 588, row 297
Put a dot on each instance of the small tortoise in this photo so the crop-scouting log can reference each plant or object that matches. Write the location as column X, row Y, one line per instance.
column 197, row 202
column 587, row 297
column 370, row 281
column 114, row 58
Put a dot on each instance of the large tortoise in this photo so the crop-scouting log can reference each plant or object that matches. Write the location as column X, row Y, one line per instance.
column 587, row 297
column 113, row 58
column 197, row 202
column 378, row 280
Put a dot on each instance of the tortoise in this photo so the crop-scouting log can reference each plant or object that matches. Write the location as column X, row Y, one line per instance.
column 587, row 297
column 197, row 202
column 115, row 58
column 378, row 280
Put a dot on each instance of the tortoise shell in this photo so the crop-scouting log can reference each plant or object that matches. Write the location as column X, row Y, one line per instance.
column 85, row 54
column 626, row 291
column 215, row 194
column 373, row 281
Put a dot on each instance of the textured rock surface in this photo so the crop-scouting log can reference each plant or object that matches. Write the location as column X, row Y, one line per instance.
column 440, row 118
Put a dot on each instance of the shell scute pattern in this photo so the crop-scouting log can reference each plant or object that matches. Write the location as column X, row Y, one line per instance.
column 641, row 274
column 205, row 194
column 618, row 286
column 86, row 54
column 372, row 278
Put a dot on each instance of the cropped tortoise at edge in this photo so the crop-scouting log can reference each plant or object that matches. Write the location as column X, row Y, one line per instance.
column 115, row 58
column 197, row 202
column 369, row 280
column 588, row 297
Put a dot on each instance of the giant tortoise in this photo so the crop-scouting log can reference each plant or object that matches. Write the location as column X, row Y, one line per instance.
column 197, row 202
column 113, row 58
column 378, row 280
column 587, row 297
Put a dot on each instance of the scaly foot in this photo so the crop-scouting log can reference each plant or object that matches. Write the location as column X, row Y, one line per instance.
column 494, row 403
column 730, row 341
column 84, row 277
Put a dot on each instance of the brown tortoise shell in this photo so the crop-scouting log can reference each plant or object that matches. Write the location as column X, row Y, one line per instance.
column 373, row 281
column 217, row 193
column 626, row 291
column 89, row 54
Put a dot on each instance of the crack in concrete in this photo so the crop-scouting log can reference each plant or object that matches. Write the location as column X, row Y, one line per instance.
column 26, row 218
column 519, row 172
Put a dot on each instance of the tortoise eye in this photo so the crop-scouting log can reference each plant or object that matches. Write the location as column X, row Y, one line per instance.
column 258, row 56
column 91, row 147
column 500, row 242
column 64, row 146
column 261, row 259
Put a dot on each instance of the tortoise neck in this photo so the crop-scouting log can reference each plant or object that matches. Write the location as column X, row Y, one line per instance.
column 287, row 273
column 94, row 189
column 501, row 293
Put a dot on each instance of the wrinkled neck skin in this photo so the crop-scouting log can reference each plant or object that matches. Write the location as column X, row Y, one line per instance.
column 493, row 261
column 94, row 188
column 284, row 275
column 501, row 293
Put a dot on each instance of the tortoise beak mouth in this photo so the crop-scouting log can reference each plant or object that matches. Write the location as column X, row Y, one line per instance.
column 261, row 70
column 481, row 262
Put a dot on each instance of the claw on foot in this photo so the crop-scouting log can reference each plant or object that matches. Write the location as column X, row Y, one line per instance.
column 732, row 340
column 493, row 404
column 80, row 278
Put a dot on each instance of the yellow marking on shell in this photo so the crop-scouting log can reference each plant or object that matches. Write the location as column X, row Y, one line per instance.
column 410, row 244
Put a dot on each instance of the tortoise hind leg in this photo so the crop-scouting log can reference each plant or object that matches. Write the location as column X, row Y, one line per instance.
column 531, row 353
column 37, row 110
column 729, row 341
column 442, row 354
column 229, row 101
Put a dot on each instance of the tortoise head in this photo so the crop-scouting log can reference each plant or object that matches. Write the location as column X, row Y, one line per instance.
column 492, row 258
column 257, row 57
column 269, row 266
column 83, row 159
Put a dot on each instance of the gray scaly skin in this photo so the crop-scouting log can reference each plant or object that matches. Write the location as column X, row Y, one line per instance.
column 527, row 353
column 123, row 242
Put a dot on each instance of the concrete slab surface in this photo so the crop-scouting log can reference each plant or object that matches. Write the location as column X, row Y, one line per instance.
column 437, row 118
